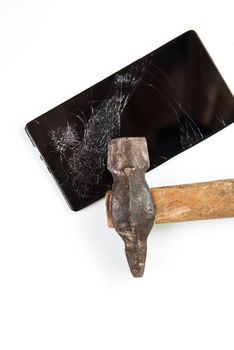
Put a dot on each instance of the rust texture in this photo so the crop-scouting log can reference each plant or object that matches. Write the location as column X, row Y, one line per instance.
column 198, row 201
column 131, row 206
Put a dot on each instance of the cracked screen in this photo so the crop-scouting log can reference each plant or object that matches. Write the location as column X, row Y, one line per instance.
column 174, row 96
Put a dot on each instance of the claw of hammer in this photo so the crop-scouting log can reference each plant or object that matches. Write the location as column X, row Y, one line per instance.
column 131, row 205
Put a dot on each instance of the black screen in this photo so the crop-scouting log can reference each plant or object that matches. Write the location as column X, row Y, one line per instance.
column 174, row 96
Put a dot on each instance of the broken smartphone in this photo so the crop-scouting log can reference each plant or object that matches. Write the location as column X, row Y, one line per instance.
column 174, row 96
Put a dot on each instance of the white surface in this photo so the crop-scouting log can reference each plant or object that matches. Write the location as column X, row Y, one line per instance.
column 64, row 280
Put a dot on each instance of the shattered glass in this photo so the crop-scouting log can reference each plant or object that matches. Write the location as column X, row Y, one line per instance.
column 174, row 96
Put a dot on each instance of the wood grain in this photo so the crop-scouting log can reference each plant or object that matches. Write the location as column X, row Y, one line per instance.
column 199, row 201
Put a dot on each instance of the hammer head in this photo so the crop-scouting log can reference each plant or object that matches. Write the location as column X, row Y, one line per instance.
column 131, row 206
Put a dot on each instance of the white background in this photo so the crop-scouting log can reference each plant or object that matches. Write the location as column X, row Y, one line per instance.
column 64, row 279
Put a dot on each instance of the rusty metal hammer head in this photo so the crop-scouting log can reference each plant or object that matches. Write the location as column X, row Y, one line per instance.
column 131, row 206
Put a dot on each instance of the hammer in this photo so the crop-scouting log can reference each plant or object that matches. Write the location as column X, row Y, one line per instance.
column 132, row 207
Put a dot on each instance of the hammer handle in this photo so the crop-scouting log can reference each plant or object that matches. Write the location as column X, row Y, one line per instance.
column 199, row 201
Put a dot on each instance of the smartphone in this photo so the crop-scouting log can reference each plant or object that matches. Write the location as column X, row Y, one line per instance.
column 174, row 96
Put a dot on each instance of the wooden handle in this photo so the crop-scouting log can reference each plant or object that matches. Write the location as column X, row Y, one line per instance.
column 199, row 201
